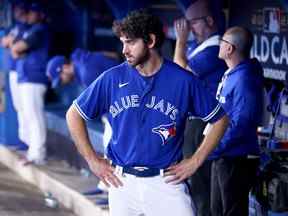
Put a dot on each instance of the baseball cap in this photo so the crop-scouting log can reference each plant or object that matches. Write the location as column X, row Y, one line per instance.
column 54, row 68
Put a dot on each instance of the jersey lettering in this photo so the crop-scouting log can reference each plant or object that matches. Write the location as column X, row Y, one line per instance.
column 174, row 114
column 133, row 101
column 161, row 106
column 124, row 104
column 152, row 103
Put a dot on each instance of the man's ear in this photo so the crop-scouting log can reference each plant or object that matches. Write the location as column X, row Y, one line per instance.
column 230, row 50
column 210, row 21
column 152, row 41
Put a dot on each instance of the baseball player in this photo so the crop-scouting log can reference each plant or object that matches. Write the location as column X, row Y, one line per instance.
column 31, row 50
column 13, row 35
column 84, row 66
column 147, row 99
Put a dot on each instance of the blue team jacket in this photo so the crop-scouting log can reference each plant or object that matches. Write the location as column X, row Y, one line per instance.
column 241, row 96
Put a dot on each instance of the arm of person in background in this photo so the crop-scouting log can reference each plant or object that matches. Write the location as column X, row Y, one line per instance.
column 182, row 32
column 19, row 48
column 32, row 39
column 189, row 166
column 6, row 41
column 99, row 166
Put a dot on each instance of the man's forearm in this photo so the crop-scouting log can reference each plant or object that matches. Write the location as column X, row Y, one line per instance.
column 19, row 48
column 212, row 139
column 78, row 131
column 98, row 165
column 179, row 53
column 4, row 42
column 189, row 166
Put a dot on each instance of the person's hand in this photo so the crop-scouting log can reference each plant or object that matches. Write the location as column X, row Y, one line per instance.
column 179, row 172
column 181, row 29
column 102, row 168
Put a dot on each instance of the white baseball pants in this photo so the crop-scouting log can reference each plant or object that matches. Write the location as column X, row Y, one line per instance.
column 149, row 196
column 32, row 104
column 15, row 94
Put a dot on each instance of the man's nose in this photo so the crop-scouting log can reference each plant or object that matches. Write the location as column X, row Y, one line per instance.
column 192, row 29
column 125, row 49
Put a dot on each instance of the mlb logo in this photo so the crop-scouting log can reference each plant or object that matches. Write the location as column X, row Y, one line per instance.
column 271, row 20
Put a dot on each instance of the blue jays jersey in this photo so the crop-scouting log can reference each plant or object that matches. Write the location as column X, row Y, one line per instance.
column 148, row 114
column 206, row 65
column 32, row 66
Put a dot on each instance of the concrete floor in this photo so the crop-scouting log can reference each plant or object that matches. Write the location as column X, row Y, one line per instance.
column 21, row 198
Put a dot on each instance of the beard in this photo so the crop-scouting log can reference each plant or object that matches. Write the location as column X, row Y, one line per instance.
column 139, row 60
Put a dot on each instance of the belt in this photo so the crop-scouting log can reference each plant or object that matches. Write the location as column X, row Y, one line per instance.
column 139, row 171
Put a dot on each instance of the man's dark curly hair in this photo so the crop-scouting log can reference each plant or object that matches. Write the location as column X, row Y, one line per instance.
column 139, row 24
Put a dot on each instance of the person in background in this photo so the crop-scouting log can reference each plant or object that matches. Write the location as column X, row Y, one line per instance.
column 236, row 159
column 12, row 36
column 148, row 121
column 84, row 67
column 202, row 60
column 31, row 52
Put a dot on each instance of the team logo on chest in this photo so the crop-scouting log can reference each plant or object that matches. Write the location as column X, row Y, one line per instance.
column 166, row 132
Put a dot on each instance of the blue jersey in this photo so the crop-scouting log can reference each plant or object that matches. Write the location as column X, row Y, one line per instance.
column 147, row 115
column 89, row 65
column 206, row 65
column 32, row 66
column 16, row 32
column 241, row 95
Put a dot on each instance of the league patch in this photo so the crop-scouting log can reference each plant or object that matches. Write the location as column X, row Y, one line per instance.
column 166, row 132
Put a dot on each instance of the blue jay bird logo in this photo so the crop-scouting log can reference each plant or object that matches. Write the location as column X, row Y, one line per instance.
column 166, row 132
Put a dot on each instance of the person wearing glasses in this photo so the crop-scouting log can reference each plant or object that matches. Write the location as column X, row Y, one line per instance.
column 236, row 159
column 204, row 63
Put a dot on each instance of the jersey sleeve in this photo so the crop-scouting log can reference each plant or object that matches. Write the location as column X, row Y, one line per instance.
column 202, row 104
column 92, row 102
